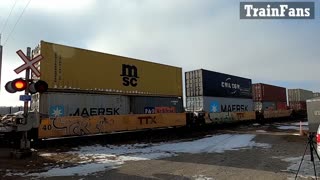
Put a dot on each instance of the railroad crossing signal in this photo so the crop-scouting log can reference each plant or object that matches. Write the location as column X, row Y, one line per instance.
column 29, row 63
column 22, row 84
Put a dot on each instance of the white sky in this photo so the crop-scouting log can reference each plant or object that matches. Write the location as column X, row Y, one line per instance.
column 190, row 34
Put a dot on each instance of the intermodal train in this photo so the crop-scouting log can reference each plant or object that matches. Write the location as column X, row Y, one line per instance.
column 95, row 93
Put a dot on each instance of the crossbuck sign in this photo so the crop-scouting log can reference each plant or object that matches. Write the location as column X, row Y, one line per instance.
column 28, row 63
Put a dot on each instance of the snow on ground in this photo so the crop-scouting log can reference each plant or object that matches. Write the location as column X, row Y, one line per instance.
column 306, row 169
column 261, row 131
column 98, row 158
column 292, row 127
column 201, row 177
column 302, row 123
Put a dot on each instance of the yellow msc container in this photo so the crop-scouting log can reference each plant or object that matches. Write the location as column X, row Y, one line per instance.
column 69, row 68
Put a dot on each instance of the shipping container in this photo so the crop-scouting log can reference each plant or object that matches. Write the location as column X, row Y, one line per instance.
column 218, row 104
column 300, row 105
column 296, row 95
column 265, row 92
column 313, row 111
column 209, row 83
column 263, row 106
column 153, row 105
column 51, row 104
column 72, row 68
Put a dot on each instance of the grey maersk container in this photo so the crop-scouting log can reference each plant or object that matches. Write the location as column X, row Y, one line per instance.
column 209, row 83
column 76, row 104
column 218, row 104
column 152, row 105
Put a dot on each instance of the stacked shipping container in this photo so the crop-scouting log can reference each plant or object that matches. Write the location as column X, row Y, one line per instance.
column 269, row 97
column 297, row 98
column 83, row 82
column 217, row 92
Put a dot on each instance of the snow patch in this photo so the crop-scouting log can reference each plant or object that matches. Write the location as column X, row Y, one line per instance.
column 47, row 154
column 261, row 131
column 302, row 123
column 306, row 169
column 292, row 127
column 99, row 158
column 202, row 177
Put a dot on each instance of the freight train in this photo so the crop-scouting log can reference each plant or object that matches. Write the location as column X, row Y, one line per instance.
column 92, row 93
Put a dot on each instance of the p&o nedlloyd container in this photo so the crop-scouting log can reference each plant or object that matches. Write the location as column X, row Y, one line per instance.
column 209, row 83
column 153, row 105
column 69, row 68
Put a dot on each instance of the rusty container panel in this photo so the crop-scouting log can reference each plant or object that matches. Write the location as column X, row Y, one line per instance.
column 70, row 68
column 300, row 105
column 53, row 104
column 79, row 126
column 265, row 92
column 154, row 105
column 296, row 95
column 282, row 106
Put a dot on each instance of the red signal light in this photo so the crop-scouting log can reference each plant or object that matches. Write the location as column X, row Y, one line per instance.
column 16, row 85
column 19, row 84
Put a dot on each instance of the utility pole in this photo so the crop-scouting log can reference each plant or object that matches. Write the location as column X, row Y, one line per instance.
column 0, row 61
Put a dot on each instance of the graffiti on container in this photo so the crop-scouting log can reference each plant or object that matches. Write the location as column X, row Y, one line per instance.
column 79, row 126
column 147, row 120
column 162, row 109
column 220, row 117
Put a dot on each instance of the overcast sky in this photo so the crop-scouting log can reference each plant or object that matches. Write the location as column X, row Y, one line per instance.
column 191, row 34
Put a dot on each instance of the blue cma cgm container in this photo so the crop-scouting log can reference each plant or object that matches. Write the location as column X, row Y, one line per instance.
column 209, row 83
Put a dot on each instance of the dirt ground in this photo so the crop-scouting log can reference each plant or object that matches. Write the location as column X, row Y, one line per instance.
column 251, row 163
